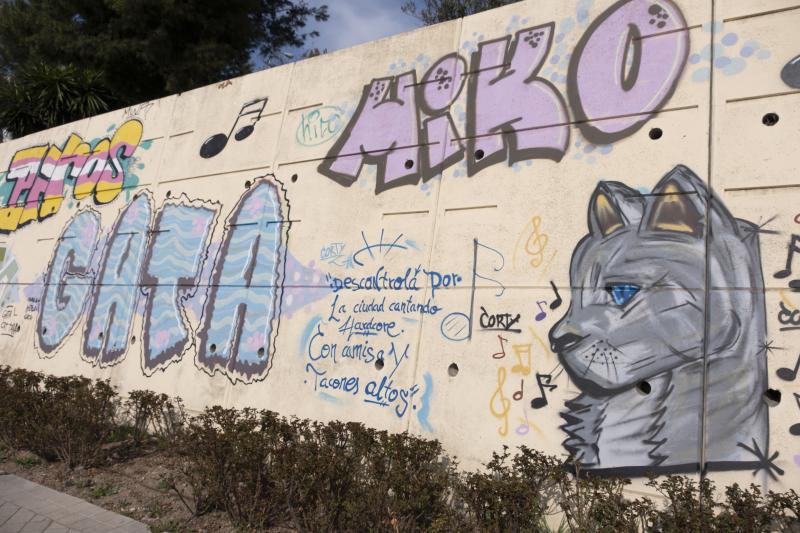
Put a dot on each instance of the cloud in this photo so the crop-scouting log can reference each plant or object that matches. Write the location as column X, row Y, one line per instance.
column 354, row 22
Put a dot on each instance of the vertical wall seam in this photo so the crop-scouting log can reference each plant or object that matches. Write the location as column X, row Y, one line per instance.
column 706, row 274
column 284, row 114
column 434, row 227
column 231, row 388
column 166, row 139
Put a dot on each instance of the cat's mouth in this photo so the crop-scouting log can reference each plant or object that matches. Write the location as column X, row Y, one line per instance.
column 565, row 343
column 596, row 365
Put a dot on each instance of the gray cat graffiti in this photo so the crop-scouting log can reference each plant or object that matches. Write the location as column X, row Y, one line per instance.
column 634, row 335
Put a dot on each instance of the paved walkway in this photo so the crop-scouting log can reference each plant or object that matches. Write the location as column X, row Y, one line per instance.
column 26, row 507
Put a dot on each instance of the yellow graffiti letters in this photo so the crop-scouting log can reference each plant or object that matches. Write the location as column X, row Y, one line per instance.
column 38, row 174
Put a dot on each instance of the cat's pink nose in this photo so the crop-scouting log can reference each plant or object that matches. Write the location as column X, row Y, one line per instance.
column 563, row 342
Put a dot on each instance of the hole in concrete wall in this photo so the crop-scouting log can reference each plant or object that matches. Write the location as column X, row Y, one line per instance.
column 478, row 155
column 261, row 352
column 133, row 339
column 169, row 193
column 213, row 348
column 409, row 163
column 294, row 178
column 770, row 119
column 379, row 364
column 643, row 387
column 247, row 184
column 772, row 397
column 656, row 133
column 452, row 370
column 100, row 335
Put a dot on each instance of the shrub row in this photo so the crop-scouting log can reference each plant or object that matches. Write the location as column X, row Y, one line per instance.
column 265, row 470
column 76, row 420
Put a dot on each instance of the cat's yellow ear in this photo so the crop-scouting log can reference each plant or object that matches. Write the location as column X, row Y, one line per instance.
column 673, row 210
column 608, row 219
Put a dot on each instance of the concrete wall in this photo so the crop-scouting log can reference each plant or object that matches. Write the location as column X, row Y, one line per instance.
column 531, row 226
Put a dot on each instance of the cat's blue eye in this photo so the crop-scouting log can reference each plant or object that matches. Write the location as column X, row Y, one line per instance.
column 622, row 292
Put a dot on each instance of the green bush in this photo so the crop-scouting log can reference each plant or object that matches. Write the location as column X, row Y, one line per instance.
column 21, row 409
column 229, row 461
column 147, row 414
column 64, row 418
column 264, row 471
column 355, row 477
column 511, row 495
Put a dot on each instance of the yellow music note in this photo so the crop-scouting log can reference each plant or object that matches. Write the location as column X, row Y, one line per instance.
column 505, row 403
column 521, row 350
column 536, row 243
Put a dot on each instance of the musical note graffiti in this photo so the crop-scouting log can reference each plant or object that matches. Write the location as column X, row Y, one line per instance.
column 790, row 73
column 543, row 381
column 541, row 315
column 502, row 352
column 217, row 142
column 557, row 302
column 795, row 428
column 457, row 326
column 794, row 247
column 789, row 374
column 499, row 405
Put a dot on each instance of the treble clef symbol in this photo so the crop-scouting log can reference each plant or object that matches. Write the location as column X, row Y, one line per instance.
column 536, row 243
column 505, row 403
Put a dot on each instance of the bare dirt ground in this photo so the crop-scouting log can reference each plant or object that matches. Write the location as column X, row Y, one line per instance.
column 134, row 487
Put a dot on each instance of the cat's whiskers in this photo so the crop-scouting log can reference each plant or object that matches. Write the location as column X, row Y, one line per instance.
column 634, row 366
column 626, row 344
column 649, row 360
column 586, row 371
column 615, row 348
column 614, row 364
column 558, row 367
column 608, row 366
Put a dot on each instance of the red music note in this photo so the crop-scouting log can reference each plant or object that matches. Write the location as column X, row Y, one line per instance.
column 518, row 394
column 502, row 352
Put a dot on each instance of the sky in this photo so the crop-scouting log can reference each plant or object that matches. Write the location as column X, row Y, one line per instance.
column 354, row 22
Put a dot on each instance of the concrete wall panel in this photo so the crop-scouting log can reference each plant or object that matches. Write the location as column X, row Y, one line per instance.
column 569, row 225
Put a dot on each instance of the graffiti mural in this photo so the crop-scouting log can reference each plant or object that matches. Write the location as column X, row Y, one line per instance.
column 618, row 77
column 171, row 275
column 39, row 175
column 319, row 126
column 242, row 299
column 637, row 332
column 251, row 111
column 398, row 235
column 240, row 319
